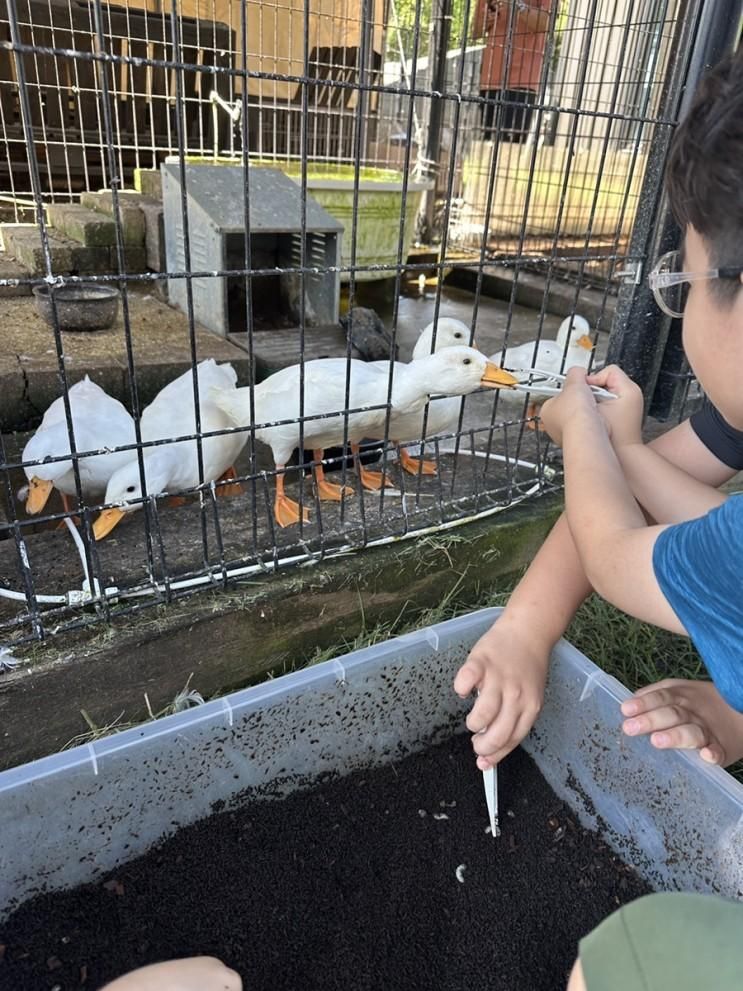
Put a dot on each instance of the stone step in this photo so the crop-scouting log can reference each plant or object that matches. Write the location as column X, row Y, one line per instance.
column 149, row 182
column 154, row 223
column 23, row 242
column 135, row 260
column 89, row 227
column 132, row 218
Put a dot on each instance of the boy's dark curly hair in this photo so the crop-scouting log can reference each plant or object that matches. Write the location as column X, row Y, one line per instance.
column 704, row 175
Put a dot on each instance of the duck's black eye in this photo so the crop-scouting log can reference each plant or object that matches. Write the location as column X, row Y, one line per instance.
column 130, row 488
column 467, row 361
column 458, row 336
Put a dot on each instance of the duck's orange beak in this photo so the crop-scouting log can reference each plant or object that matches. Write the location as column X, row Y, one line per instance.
column 585, row 342
column 107, row 520
column 496, row 377
column 39, row 491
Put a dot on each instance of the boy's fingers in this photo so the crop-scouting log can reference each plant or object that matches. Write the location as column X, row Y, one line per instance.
column 602, row 375
column 498, row 733
column 610, row 374
column 575, row 376
column 484, row 711
column 662, row 717
column 687, row 736
column 648, row 700
column 468, row 678
column 713, row 754
column 522, row 728
column 658, row 685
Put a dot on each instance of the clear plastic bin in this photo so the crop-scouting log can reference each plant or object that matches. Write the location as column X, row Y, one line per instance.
column 73, row 816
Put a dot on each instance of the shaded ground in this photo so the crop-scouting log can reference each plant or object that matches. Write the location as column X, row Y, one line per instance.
column 352, row 884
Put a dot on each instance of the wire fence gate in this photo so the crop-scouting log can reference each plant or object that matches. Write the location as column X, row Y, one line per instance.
column 300, row 181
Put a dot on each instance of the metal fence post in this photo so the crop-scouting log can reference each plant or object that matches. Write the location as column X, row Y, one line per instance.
column 439, row 49
column 708, row 30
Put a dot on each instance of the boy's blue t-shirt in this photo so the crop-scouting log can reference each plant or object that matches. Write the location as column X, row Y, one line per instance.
column 699, row 567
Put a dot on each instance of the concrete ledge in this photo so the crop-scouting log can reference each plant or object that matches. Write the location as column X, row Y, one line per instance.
column 530, row 290
column 154, row 224
column 29, row 377
column 89, row 227
column 23, row 242
column 149, row 182
column 229, row 639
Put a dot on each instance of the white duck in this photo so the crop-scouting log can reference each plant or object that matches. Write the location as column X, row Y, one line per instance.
column 460, row 370
column 571, row 348
column 175, row 467
column 99, row 421
column 443, row 412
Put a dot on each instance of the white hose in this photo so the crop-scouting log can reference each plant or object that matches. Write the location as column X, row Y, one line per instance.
column 256, row 569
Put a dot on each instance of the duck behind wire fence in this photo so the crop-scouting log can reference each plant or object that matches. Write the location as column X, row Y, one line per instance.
column 276, row 276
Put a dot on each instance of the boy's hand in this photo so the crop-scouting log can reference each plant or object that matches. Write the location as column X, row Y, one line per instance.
column 575, row 401
column 622, row 415
column 686, row 715
column 191, row 974
column 509, row 668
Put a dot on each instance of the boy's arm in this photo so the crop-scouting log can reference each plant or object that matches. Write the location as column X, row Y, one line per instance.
column 607, row 524
column 683, row 447
column 614, row 543
column 667, row 493
column 509, row 663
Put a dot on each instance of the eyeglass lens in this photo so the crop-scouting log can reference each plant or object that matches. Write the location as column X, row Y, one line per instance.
column 674, row 296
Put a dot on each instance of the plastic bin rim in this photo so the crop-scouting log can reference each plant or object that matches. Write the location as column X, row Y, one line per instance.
column 222, row 709
column 331, row 671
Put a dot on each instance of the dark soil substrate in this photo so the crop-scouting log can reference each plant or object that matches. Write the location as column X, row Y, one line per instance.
column 351, row 885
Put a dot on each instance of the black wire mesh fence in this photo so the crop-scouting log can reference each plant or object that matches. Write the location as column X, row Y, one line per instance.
column 252, row 179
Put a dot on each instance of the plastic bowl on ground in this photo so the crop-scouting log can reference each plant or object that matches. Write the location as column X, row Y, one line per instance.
column 82, row 306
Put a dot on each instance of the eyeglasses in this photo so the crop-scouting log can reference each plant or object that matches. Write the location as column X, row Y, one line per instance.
column 671, row 286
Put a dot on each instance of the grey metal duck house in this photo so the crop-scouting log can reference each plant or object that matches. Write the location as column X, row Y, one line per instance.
column 215, row 196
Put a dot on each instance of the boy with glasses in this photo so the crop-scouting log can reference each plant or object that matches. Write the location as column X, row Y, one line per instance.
column 684, row 571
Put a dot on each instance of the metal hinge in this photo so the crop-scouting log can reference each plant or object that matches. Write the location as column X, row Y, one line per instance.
column 631, row 274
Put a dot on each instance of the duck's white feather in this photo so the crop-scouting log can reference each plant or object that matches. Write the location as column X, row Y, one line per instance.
column 98, row 421
column 550, row 356
column 457, row 369
column 172, row 413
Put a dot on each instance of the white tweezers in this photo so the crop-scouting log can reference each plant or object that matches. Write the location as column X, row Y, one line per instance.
column 539, row 376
